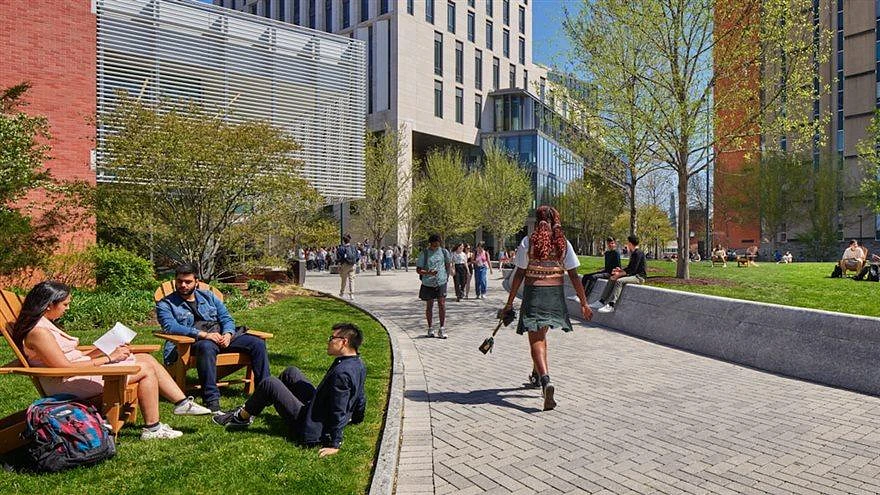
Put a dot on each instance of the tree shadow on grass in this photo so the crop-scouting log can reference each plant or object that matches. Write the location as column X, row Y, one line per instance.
column 492, row 396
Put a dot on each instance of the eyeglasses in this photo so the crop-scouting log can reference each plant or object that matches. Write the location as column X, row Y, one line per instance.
column 333, row 337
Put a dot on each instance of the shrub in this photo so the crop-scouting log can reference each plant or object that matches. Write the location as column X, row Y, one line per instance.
column 236, row 303
column 258, row 286
column 91, row 310
column 75, row 268
column 228, row 290
column 117, row 269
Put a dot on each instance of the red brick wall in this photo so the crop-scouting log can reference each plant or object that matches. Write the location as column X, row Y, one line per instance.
column 52, row 45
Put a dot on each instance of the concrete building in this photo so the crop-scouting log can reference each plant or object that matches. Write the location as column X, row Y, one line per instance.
column 853, row 75
column 436, row 69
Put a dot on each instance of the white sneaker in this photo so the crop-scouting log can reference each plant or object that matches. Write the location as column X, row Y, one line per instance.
column 606, row 309
column 189, row 408
column 163, row 432
column 442, row 333
column 596, row 305
column 430, row 332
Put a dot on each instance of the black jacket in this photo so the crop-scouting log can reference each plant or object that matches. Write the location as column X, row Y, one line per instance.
column 612, row 260
column 339, row 399
column 637, row 265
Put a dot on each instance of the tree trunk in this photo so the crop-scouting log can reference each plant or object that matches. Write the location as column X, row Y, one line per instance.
column 380, row 256
column 682, row 269
column 633, row 224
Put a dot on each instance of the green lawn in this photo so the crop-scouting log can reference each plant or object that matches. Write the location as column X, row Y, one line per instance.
column 805, row 285
column 208, row 459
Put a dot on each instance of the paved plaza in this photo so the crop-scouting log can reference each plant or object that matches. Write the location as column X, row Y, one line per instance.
column 633, row 416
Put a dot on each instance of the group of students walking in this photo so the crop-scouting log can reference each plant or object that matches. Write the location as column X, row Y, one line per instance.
column 470, row 265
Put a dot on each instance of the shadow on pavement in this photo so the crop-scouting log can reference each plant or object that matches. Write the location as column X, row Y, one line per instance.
column 495, row 396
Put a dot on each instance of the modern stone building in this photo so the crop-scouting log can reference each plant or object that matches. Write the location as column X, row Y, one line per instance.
column 437, row 69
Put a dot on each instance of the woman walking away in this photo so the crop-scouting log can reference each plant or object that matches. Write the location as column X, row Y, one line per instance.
column 459, row 259
column 44, row 344
column 481, row 264
column 541, row 260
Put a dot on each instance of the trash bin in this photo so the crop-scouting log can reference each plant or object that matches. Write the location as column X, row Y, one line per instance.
column 299, row 272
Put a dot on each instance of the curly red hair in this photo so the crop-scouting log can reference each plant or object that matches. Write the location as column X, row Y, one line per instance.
column 548, row 239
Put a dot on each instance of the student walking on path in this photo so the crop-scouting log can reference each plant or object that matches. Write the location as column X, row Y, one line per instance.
column 542, row 259
column 481, row 264
column 434, row 266
column 459, row 259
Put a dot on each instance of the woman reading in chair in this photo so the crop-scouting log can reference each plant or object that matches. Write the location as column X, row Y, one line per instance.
column 44, row 344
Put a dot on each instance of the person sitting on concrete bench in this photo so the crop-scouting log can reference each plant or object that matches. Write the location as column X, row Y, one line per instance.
column 852, row 258
column 634, row 273
column 612, row 261
column 314, row 416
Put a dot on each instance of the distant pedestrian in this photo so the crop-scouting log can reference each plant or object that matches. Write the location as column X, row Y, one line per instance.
column 482, row 263
column 404, row 258
column 348, row 257
column 542, row 260
column 459, row 260
column 434, row 266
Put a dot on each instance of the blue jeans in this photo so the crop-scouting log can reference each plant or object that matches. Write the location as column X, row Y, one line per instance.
column 480, row 279
column 206, row 362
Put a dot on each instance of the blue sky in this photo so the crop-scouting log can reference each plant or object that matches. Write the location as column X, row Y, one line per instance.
column 549, row 43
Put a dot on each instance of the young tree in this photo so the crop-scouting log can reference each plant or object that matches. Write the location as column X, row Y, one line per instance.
column 824, row 196
column 716, row 74
column 655, row 228
column 588, row 207
column 184, row 176
column 447, row 195
column 386, row 193
column 30, row 227
column 506, row 193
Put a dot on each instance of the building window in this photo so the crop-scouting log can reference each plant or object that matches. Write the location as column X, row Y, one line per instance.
column 438, row 53
column 489, row 8
column 267, row 9
column 471, row 27
column 478, row 111
column 383, row 7
column 438, row 99
column 459, row 105
column 471, row 3
column 297, row 14
column 281, row 11
column 429, row 11
column 490, row 40
column 346, row 13
column 522, row 20
column 312, row 13
column 410, row 7
column 522, row 50
column 459, row 62
column 328, row 16
column 365, row 10
column 252, row 8
column 496, row 73
column 505, row 43
column 505, row 12
column 525, row 79
column 370, row 62
column 478, row 69
column 512, row 79
column 450, row 17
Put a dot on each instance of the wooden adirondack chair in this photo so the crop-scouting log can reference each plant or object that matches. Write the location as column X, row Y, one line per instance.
column 118, row 403
column 227, row 363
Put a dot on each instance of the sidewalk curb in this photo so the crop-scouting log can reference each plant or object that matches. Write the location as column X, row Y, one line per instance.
column 385, row 468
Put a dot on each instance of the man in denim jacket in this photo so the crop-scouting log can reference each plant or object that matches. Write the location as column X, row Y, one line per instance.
column 201, row 315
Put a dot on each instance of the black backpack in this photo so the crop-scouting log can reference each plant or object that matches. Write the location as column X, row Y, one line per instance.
column 874, row 273
column 837, row 272
column 66, row 434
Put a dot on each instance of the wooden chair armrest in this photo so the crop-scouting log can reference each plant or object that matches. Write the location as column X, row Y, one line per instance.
column 67, row 372
column 262, row 335
column 177, row 339
column 136, row 349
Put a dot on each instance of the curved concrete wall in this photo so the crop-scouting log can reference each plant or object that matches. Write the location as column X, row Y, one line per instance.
column 830, row 348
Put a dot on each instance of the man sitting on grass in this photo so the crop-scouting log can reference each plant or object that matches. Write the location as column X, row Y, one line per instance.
column 852, row 258
column 314, row 416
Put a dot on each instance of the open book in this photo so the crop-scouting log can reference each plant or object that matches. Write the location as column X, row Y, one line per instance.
column 115, row 337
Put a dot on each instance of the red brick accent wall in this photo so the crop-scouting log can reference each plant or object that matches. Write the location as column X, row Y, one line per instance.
column 52, row 45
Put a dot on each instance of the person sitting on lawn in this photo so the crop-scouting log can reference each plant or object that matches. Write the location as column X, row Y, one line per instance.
column 44, row 344
column 787, row 258
column 199, row 314
column 634, row 273
column 314, row 416
column 852, row 258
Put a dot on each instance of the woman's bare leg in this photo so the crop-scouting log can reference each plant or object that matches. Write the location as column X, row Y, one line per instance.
column 167, row 387
column 538, row 348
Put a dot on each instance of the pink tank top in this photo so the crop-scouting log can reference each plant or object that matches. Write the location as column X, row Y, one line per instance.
column 80, row 386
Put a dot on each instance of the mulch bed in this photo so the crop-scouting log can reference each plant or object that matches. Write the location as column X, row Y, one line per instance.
column 692, row 281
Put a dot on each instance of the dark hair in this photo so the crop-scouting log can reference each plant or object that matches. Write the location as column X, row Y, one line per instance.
column 610, row 239
column 434, row 238
column 351, row 333
column 633, row 240
column 37, row 301
column 186, row 269
column 346, row 238
column 548, row 238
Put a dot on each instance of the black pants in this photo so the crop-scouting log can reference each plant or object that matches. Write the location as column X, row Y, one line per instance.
column 461, row 276
column 290, row 393
column 589, row 281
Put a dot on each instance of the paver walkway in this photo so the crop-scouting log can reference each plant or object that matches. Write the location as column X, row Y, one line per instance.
column 633, row 416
